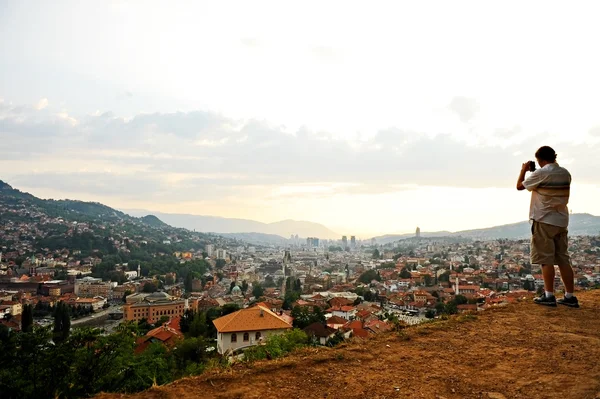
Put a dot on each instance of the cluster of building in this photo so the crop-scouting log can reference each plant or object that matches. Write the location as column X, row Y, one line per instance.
column 360, row 287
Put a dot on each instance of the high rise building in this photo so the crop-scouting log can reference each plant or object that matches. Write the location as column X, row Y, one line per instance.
column 353, row 242
column 221, row 254
column 312, row 242
column 344, row 242
column 418, row 232
column 209, row 249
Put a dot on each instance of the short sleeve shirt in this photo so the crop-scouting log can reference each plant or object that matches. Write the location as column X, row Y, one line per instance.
column 550, row 188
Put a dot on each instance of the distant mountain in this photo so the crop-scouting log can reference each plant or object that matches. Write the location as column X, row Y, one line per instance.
column 111, row 220
column 257, row 238
column 579, row 224
column 153, row 221
column 220, row 225
column 69, row 209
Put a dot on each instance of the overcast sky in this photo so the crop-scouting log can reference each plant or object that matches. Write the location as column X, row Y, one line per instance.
column 368, row 117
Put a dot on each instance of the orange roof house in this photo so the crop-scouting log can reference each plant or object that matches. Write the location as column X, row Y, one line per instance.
column 247, row 327
column 167, row 334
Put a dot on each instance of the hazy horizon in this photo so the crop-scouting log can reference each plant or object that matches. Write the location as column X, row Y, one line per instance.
column 369, row 119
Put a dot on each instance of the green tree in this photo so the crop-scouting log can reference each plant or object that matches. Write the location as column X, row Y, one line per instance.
column 369, row 276
column 305, row 316
column 460, row 299
column 62, row 322
column 186, row 320
column 451, row 308
column 150, row 287
column 198, row 326
column 229, row 308
column 428, row 280
column 270, row 283
column 376, row 254
column 27, row 319
column 187, row 283
column 444, row 276
column 430, row 314
column 125, row 294
column 298, row 286
column 404, row 273
column 244, row 286
column 257, row 290
column 289, row 298
column 191, row 350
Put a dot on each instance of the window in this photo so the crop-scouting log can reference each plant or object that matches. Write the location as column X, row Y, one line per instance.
column 258, row 335
column 234, row 337
column 246, row 337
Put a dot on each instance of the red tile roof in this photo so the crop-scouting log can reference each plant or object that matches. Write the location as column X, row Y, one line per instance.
column 251, row 319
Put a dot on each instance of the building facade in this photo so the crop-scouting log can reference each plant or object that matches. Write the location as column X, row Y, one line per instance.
column 247, row 327
column 152, row 307
column 89, row 287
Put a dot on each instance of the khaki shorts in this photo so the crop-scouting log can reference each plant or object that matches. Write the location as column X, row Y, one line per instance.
column 549, row 245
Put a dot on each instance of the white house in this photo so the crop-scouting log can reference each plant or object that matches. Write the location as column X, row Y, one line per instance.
column 346, row 312
column 247, row 327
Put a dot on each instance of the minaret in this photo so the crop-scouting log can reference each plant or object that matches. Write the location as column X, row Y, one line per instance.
column 456, row 288
column 139, row 271
column 286, row 259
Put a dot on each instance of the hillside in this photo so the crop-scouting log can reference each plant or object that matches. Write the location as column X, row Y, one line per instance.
column 520, row 351
column 99, row 221
column 579, row 224
column 257, row 238
column 152, row 220
column 215, row 224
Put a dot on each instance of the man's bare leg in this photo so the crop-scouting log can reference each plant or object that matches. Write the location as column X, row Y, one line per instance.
column 547, row 299
column 568, row 278
column 549, row 274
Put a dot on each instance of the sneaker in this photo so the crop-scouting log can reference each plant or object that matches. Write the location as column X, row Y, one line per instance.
column 543, row 300
column 570, row 302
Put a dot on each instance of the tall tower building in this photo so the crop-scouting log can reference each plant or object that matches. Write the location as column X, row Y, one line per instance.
column 353, row 242
column 344, row 242
column 418, row 232
column 287, row 259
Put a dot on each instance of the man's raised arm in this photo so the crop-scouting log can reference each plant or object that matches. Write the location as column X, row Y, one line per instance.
column 524, row 170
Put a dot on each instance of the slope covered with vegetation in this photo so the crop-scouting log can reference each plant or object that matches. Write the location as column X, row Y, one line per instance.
column 519, row 351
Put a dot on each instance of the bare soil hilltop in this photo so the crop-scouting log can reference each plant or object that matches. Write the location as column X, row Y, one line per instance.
column 519, row 351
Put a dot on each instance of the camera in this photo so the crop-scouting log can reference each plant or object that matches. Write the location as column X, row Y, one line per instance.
column 531, row 166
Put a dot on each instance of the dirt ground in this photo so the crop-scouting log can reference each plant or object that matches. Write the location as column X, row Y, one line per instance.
column 519, row 351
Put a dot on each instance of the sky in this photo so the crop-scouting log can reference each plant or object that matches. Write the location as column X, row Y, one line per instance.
column 367, row 117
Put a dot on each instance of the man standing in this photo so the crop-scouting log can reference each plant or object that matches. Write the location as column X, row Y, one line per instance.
column 548, row 213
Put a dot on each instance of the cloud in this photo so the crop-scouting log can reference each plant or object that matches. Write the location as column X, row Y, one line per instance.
column 326, row 53
column 508, row 133
column 595, row 131
column 43, row 103
column 250, row 42
column 203, row 154
column 466, row 108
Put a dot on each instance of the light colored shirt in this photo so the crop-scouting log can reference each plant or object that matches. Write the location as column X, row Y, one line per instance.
column 550, row 189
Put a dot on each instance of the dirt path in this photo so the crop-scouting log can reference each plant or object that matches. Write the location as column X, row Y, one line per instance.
column 520, row 351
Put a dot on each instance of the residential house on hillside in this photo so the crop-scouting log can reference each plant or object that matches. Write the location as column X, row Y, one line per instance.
column 320, row 332
column 168, row 334
column 346, row 312
column 336, row 322
column 247, row 327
